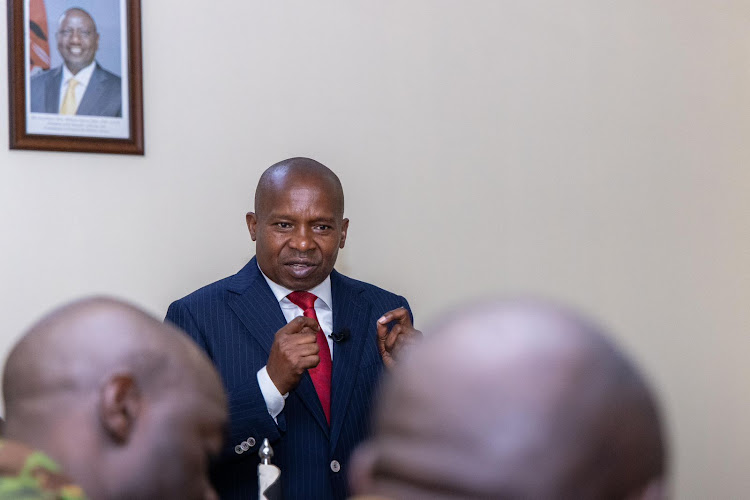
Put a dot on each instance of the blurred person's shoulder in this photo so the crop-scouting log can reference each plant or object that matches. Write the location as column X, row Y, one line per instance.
column 29, row 474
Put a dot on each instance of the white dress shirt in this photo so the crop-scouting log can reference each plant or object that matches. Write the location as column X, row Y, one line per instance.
column 82, row 77
column 324, row 312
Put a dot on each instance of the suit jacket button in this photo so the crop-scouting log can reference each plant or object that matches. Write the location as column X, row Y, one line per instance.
column 244, row 446
column 251, row 441
column 238, row 450
column 335, row 465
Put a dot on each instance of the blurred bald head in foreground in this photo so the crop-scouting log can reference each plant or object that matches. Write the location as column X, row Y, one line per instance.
column 516, row 399
column 128, row 406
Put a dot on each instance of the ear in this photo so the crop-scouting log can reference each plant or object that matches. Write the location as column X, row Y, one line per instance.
column 119, row 407
column 344, row 229
column 252, row 223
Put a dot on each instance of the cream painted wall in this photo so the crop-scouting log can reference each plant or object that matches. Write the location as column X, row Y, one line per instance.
column 591, row 151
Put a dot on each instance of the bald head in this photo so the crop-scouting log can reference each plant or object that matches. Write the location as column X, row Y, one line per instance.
column 75, row 347
column 281, row 175
column 90, row 383
column 74, row 11
column 514, row 400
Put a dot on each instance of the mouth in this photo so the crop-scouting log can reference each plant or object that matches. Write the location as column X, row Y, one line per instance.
column 300, row 269
column 76, row 51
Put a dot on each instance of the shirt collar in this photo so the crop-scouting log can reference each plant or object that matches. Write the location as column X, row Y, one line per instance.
column 82, row 77
column 322, row 291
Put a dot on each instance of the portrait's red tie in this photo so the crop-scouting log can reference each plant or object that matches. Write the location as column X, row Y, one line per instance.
column 321, row 374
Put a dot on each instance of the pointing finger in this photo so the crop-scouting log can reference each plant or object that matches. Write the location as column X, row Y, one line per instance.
column 400, row 314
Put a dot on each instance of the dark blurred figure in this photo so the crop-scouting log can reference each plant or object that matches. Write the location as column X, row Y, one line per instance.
column 514, row 399
column 125, row 406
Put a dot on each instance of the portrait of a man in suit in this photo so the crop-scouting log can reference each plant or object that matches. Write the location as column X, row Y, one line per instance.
column 79, row 86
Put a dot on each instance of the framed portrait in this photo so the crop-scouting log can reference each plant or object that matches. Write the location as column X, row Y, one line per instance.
column 75, row 77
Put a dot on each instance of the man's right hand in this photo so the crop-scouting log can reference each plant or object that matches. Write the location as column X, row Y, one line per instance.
column 294, row 350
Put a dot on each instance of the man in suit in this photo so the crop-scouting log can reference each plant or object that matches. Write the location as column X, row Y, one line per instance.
column 80, row 86
column 514, row 399
column 113, row 398
column 299, row 346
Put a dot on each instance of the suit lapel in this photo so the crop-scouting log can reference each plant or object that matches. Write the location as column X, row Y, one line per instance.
column 350, row 311
column 52, row 91
column 94, row 92
column 309, row 396
column 257, row 307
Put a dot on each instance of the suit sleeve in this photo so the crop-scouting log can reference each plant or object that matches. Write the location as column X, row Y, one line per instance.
column 249, row 420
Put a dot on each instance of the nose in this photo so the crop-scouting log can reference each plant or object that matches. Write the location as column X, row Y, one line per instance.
column 302, row 239
column 73, row 34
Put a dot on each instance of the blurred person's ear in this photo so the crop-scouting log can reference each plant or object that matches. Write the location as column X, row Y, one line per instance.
column 120, row 406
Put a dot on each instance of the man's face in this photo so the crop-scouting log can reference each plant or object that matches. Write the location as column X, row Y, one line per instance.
column 185, row 431
column 77, row 40
column 298, row 231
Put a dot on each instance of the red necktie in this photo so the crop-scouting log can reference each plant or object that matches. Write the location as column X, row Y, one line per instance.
column 321, row 374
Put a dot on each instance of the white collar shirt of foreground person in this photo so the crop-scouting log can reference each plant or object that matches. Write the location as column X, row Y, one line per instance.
column 324, row 312
column 82, row 77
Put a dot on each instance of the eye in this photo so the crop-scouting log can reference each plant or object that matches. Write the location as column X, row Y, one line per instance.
column 283, row 225
column 323, row 227
column 68, row 32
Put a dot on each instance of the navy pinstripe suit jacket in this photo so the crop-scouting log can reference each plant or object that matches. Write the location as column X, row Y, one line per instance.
column 235, row 320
